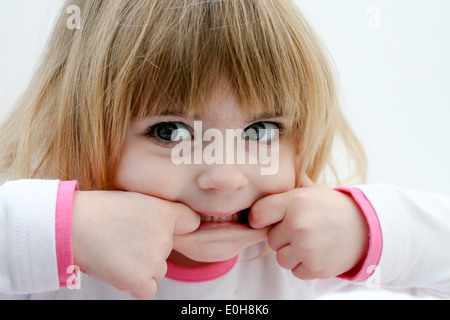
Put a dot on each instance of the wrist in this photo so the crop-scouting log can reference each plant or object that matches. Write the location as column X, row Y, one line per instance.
column 81, row 205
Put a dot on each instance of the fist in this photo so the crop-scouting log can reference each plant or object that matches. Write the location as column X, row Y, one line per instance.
column 124, row 238
column 316, row 232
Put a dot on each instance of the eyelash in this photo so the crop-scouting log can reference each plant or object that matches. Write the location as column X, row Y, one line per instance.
column 151, row 134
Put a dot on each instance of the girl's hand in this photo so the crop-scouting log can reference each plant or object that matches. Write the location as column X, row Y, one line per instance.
column 317, row 232
column 124, row 238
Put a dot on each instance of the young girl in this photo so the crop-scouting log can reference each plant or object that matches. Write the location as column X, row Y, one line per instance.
column 100, row 123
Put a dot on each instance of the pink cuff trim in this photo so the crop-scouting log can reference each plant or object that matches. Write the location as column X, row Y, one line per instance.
column 199, row 274
column 63, row 230
column 375, row 236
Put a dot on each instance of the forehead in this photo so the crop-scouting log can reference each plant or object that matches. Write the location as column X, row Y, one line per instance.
column 224, row 105
column 220, row 101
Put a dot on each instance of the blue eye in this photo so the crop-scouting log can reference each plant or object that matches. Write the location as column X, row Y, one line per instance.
column 170, row 132
column 261, row 131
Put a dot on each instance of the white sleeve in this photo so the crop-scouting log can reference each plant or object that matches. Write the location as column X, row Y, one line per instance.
column 416, row 239
column 27, row 237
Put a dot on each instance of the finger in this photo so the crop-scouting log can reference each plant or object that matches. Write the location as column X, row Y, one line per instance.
column 146, row 291
column 306, row 182
column 160, row 273
column 303, row 273
column 186, row 220
column 288, row 258
column 278, row 237
column 267, row 211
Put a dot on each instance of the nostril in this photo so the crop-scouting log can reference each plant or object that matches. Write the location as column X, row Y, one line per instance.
column 222, row 178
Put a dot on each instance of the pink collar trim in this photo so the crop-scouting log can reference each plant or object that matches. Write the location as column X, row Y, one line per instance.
column 200, row 274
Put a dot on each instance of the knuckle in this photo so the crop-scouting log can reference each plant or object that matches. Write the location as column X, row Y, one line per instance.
column 133, row 285
column 317, row 272
column 299, row 196
column 144, row 284
column 160, row 272
column 295, row 223
column 320, row 274
column 272, row 242
column 301, row 273
column 283, row 260
column 304, row 274
column 146, row 291
column 165, row 211
column 309, row 271
column 302, row 198
column 165, row 240
column 161, row 241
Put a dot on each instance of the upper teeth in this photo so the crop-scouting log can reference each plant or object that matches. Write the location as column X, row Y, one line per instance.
column 231, row 218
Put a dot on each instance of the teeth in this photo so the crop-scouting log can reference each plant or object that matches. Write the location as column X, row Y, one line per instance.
column 232, row 218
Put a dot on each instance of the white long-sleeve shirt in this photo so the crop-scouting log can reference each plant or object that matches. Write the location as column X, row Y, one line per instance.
column 414, row 258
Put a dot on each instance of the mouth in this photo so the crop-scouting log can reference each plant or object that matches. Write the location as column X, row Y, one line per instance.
column 240, row 217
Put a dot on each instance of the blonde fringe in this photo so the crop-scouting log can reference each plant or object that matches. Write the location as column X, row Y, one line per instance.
column 138, row 58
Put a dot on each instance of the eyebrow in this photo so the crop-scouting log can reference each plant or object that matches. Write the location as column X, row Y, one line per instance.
column 178, row 114
column 251, row 118
column 265, row 115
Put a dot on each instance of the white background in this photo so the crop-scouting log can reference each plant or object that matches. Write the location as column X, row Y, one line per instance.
column 394, row 61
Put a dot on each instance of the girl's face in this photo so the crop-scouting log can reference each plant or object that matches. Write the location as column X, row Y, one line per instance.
column 150, row 164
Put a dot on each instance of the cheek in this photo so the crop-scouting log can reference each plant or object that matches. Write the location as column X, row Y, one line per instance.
column 152, row 175
column 283, row 181
column 285, row 177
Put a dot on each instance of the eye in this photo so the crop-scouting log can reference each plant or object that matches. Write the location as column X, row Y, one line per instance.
column 261, row 131
column 170, row 132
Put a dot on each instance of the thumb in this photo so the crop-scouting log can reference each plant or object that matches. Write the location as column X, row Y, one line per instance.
column 306, row 182
column 186, row 220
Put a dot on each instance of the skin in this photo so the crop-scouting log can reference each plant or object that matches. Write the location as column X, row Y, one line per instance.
column 209, row 189
column 316, row 232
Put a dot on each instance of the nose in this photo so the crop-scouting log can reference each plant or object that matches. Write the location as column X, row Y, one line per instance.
column 222, row 177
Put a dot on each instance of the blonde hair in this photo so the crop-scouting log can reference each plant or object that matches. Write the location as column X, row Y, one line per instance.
column 133, row 59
